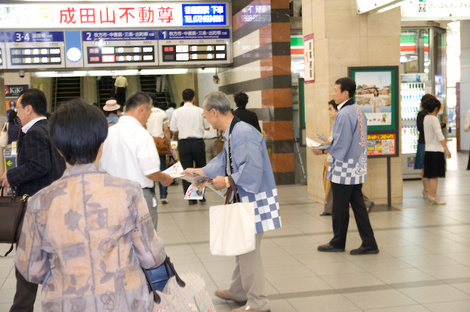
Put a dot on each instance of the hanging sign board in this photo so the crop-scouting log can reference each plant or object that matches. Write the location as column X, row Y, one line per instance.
column 309, row 59
column 120, row 48
column 116, row 15
column 195, row 46
column 35, row 49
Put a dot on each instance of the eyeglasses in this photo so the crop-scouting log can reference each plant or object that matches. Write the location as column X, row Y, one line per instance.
column 16, row 109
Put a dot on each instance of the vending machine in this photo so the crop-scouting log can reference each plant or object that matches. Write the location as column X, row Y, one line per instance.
column 411, row 94
column 423, row 70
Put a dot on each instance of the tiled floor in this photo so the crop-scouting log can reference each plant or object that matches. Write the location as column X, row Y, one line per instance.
column 423, row 264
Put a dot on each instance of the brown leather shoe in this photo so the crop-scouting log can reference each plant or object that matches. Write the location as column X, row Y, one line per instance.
column 248, row 309
column 223, row 294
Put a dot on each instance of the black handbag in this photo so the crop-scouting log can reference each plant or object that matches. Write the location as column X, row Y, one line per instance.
column 159, row 276
column 12, row 210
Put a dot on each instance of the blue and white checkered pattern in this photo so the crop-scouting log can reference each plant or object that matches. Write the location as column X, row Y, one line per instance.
column 267, row 216
column 346, row 172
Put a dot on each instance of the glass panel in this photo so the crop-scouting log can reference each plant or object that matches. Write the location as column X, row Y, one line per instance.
column 414, row 51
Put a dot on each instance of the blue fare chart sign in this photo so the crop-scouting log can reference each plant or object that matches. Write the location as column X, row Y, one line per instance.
column 204, row 14
column 193, row 34
column 52, row 36
column 119, row 35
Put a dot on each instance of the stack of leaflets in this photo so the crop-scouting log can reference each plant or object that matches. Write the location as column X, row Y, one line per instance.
column 198, row 182
column 175, row 171
column 316, row 145
column 196, row 191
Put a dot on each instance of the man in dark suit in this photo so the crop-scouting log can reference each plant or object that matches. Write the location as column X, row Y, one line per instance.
column 38, row 165
column 241, row 99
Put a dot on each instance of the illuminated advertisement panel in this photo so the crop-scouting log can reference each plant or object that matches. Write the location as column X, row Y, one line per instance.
column 204, row 14
column 112, row 15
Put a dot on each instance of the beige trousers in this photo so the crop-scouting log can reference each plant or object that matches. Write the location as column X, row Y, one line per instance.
column 209, row 143
column 248, row 279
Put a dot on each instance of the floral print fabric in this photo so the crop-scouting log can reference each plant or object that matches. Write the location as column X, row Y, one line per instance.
column 85, row 238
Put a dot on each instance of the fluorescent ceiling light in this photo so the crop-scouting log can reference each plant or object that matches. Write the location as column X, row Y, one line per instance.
column 126, row 72
column 51, row 74
column 170, row 71
column 104, row 72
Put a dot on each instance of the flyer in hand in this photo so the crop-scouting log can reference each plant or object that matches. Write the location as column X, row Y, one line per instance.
column 222, row 192
column 195, row 178
column 175, row 171
column 316, row 145
column 196, row 190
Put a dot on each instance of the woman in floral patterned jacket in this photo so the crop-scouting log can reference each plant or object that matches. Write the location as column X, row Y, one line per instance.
column 87, row 236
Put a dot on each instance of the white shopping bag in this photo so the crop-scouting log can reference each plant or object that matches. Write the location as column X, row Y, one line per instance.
column 232, row 229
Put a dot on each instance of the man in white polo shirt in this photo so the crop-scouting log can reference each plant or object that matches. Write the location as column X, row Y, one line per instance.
column 189, row 123
column 157, row 126
column 129, row 150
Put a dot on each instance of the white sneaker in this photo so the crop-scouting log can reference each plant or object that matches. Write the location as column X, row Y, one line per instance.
column 164, row 201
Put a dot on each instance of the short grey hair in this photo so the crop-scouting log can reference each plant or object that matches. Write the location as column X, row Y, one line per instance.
column 138, row 98
column 217, row 100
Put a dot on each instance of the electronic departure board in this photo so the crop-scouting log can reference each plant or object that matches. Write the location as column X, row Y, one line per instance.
column 120, row 48
column 195, row 46
column 196, row 52
column 27, row 49
column 2, row 50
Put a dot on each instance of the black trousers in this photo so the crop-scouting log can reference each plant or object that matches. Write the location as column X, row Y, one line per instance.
column 121, row 96
column 192, row 152
column 468, row 166
column 343, row 195
column 25, row 294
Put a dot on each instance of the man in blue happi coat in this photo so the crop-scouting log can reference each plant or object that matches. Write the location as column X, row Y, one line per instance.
column 246, row 159
column 348, row 170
